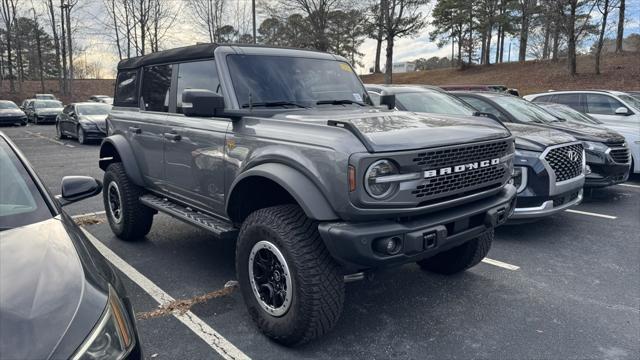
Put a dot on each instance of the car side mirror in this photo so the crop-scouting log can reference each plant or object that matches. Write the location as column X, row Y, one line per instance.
column 486, row 114
column 76, row 188
column 388, row 100
column 622, row 111
column 201, row 102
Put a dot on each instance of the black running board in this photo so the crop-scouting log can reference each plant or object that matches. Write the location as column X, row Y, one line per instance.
column 220, row 228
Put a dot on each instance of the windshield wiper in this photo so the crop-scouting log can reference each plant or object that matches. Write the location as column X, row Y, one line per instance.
column 340, row 102
column 273, row 104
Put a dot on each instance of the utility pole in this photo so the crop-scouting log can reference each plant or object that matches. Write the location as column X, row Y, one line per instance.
column 253, row 9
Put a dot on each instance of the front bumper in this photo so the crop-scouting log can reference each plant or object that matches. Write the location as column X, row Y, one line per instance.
column 548, row 207
column 13, row 120
column 45, row 119
column 94, row 134
column 607, row 174
column 351, row 243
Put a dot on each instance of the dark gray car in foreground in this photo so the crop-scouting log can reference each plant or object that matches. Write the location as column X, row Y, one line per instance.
column 282, row 150
column 59, row 298
column 546, row 179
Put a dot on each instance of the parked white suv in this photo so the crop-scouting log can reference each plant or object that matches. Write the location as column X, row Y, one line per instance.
column 611, row 107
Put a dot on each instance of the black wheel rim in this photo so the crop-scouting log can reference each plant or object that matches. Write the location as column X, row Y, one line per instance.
column 270, row 278
column 115, row 202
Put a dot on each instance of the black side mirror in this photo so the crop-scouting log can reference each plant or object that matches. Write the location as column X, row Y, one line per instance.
column 76, row 188
column 388, row 100
column 487, row 115
column 513, row 92
column 201, row 102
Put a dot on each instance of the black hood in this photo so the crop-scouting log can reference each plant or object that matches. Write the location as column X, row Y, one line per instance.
column 585, row 132
column 48, row 303
column 400, row 130
column 536, row 138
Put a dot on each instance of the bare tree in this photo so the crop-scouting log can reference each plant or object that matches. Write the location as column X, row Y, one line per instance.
column 570, row 11
column 527, row 9
column 401, row 18
column 620, row 34
column 67, row 7
column 56, row 42
column 8, row 14
column 318, row 14
column 605, row 9
column 38, row 45
column 161, row 19
column 208, row 15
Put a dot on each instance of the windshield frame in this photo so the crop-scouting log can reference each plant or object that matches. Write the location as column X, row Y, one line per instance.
column 630, row 101
column 222, row 55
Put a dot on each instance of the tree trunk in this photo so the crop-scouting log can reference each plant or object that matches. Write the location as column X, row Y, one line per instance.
column 547, row 38
column 115, row 27
column 487, row 60
column 556, row 40
column 483, row 48
column 63, row 42
column 620, row 35
column 571, row 63
column 388, row 69
column 56, row 44
column 70, row 49
column 524, row 37
column 498, row 44
column 605, row 13
column 37, row 34
column 379, row 37
column 12, row 84
column 502, row 36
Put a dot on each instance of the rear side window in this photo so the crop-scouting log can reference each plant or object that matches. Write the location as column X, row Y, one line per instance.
column 126, row 89
column 543, row 98
column 602, row 104
column 571, row 100
column 156, row 83
column 197, row 75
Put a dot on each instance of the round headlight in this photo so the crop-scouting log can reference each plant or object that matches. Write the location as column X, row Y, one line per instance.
column 376, row 189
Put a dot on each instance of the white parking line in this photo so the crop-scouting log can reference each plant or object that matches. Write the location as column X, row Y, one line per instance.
column 44, row 137
column 89, row 214
column 216, row 341
column 591, row 214
column 501, row 264
column 630, row 185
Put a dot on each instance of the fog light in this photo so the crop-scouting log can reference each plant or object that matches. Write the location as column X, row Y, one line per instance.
column 388, row 246
column 587, row 169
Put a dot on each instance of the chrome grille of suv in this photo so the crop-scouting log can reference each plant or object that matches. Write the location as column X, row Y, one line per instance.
column 461, row 155
column 562, row 165
column 469, row 180
column 620, row 155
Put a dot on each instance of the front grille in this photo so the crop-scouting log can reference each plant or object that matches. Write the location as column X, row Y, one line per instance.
column 455, row 182
column 460, row 155
column 620, row 155
column 562, row 164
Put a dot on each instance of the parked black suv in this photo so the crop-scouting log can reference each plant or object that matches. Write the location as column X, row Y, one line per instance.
column 546, row 178
column 283, row 150
column 608, row 157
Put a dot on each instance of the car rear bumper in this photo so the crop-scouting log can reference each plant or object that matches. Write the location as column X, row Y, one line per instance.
column 352, row 243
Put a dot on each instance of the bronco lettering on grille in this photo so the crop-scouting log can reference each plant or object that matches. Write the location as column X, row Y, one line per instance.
column 460, row 168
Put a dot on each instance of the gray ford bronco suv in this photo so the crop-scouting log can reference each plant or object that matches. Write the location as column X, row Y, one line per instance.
column 282, row 150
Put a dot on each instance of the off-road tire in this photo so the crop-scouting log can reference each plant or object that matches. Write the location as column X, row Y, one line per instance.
column 317, row 282
column 136, row 217
column 459, row 258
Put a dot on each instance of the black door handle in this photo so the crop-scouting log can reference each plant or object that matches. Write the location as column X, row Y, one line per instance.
column 135, row 129
column 172, row 136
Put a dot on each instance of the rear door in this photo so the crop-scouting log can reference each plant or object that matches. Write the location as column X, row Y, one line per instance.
column 194, row 159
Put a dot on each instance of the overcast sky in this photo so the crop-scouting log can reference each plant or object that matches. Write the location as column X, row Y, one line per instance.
column 99, row 46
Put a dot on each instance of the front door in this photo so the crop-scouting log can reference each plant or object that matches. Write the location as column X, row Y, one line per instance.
column 194, row 158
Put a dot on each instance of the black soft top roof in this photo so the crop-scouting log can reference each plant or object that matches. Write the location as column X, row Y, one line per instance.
column 185, row 53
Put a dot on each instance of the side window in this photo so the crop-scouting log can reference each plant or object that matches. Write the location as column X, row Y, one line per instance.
column 484, row 107
column 602, row 104
column 197, row 75
column 375, row 98
column 126, row 89
column 543, row 98
column 156, row 83
column 571, row 100
column 68, row 109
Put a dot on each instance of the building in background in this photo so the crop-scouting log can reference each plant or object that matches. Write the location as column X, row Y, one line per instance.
column 403, row 67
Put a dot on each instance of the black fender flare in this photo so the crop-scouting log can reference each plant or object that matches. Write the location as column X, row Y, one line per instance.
column 124, row 154
column 302, row 189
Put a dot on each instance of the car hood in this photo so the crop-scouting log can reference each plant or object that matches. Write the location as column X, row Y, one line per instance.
column 48, row 111
column 11, row 112
column 585, row 132
column 44, row 293
column 536, row 138
column 400, row 130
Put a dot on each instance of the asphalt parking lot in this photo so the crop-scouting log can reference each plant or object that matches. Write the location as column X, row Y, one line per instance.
column 567, row 287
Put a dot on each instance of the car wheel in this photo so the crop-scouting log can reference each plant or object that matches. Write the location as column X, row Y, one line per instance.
column 459, row 258
column 128, row 218
column 24, row 123
column 35, row 120
column 292, row 287
column 82, row 137
column 59, row 133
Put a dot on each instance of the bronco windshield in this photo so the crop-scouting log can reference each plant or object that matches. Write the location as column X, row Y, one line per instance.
column 261, row 80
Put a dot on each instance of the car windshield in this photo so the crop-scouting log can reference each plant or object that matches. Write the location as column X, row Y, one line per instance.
column 432, row 102
column 21, row 202
column 525, row 111
column 93, row 109
column 7, row 105
column 570, row 114
column 44, row 104
column 630, row 100
column 261, row 80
